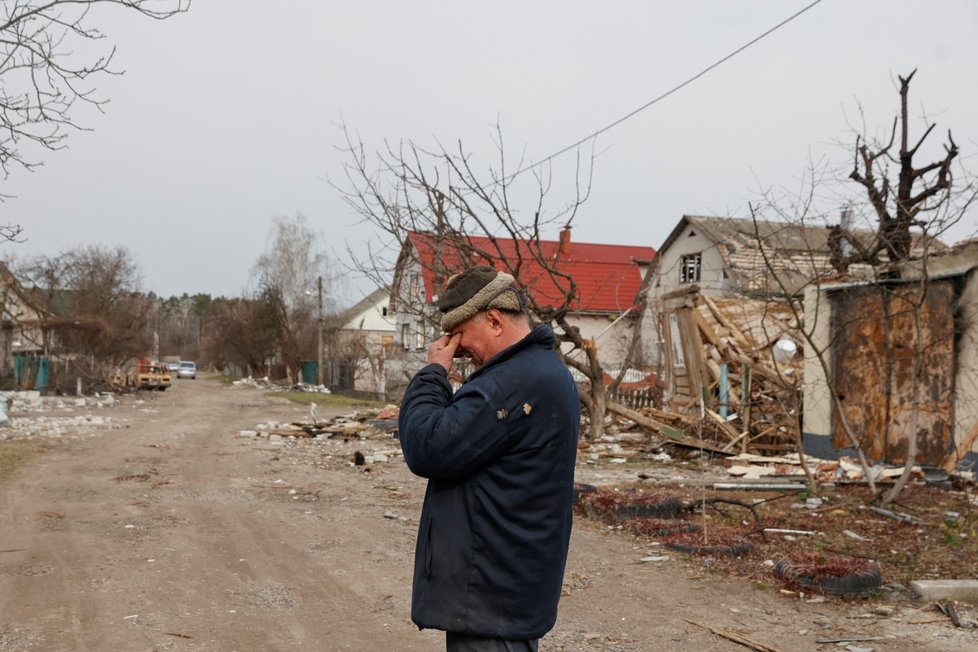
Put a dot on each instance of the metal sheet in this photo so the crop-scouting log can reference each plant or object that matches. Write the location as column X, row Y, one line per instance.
column 880, row 333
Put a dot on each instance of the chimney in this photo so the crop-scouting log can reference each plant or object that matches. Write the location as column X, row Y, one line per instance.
column 565, row 242
column 845, row 222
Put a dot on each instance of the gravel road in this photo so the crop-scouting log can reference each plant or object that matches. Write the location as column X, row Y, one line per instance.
column 153, row 524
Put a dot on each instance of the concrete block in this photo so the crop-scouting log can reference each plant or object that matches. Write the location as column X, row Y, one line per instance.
column 960, row 590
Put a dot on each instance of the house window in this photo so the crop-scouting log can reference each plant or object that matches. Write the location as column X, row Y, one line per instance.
column 415, row 289
column 689, row 268
column 406, row 336
column 387, row 345
column 419, row 335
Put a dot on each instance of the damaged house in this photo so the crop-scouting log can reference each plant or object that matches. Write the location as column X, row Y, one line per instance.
column 740, row 267
column 729, row 340
column 608, row 278
column 893, row 366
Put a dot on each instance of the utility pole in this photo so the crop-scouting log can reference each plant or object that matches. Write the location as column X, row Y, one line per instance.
column 319, row 334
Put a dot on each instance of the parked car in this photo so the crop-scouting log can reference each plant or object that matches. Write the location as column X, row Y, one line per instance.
column 188, row 369
column 173, row 367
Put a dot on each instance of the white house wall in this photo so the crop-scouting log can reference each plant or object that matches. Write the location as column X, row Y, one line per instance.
column 669, row 261
column 373, row 317
column 817, row 418
column 612, row 338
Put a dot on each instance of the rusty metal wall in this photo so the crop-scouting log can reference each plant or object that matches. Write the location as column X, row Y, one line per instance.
column 876, row 345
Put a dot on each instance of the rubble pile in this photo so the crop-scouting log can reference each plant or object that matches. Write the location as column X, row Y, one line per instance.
column 358, row 439
column 735, row 370
column 31, row 415
column 265, row 383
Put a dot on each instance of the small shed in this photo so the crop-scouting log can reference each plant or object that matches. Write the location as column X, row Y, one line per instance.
column 893, row 364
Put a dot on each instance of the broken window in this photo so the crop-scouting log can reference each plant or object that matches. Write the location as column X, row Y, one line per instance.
column 406, row 336
column 689, row 268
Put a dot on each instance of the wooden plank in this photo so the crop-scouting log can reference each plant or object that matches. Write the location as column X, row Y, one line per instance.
column 727, row 429
column 668, row 416
column 743, row 341
column 637, row 417
column 707, row 329
column 692, row 351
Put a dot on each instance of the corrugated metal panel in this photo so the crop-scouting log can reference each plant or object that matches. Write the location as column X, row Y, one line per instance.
column 875, row 352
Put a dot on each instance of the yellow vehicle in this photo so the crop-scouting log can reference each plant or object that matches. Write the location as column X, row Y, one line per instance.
column 145, row 374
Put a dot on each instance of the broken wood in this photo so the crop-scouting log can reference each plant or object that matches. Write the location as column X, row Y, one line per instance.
column 734, row 636
column 728, row 430
column 662, row 415
column 637, row 417
column 778, row 530
column 729, row 446
column 929, row 621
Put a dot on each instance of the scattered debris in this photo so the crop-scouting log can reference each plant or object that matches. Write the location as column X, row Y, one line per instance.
column 899, row 516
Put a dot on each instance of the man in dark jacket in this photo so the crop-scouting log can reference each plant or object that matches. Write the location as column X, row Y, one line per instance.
column 499, row 457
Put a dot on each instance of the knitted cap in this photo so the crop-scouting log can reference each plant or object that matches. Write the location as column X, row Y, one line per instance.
column 475, row 289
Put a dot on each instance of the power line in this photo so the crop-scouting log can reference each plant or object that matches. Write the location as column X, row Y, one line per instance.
column 662, row 96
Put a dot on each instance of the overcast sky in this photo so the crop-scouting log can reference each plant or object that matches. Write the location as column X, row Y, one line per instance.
column 228, row 115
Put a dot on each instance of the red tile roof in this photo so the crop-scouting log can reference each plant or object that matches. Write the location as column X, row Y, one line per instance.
column 607, row 276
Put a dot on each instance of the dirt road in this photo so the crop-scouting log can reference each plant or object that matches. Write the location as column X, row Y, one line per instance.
column 165, row 529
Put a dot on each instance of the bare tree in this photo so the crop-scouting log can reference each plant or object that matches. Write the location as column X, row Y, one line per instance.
column 918, row 199
column 472, row 218
column 10, row 232
column 42, row 74
column 102, row 319
column 244, row 332
column 290, row 270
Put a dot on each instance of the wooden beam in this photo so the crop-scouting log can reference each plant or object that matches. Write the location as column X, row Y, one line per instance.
column 637, row 417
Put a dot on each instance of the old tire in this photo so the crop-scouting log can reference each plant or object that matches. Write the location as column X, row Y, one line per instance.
column 668, row 508
column 850, row 585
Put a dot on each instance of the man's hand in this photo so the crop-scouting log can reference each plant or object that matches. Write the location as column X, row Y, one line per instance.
column 442, row 350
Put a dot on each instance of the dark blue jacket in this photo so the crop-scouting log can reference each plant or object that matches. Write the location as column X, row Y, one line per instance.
column 499, row 457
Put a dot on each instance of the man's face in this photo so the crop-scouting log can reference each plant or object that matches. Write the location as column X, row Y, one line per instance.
column 476, row 339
